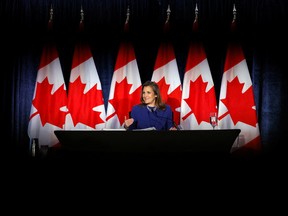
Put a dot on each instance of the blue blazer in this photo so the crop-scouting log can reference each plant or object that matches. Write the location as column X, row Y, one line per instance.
column 145, row 117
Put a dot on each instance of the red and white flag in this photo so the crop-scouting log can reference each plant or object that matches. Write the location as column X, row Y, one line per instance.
column 125, row 89
column 237, row 107
column 85, row 97
column 49, row 104
column 198, row 97
column 166, row 75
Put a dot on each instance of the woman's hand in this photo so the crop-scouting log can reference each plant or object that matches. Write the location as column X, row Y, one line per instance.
column 128, row 122
column 173, row 128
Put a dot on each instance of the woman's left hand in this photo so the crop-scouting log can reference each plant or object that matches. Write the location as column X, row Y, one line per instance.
column 173, row 128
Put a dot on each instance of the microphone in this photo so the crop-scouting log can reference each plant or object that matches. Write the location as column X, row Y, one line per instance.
column 178, row 127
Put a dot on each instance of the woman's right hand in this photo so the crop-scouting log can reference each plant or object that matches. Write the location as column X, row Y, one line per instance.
column 128, row 122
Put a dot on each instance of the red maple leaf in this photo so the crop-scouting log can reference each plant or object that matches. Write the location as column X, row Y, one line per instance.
column 49, row 105
column 201, row 103
column 123, row 101
column 240, row 105
column 81, row 104
column 163, row 86
column 173, row 99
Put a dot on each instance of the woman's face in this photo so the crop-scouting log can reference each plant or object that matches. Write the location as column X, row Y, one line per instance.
column 148, row 95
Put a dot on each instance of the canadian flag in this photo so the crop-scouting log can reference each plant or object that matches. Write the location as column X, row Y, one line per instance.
column 49, row 104
column 166, row 75
column 198, row 96
column 125, row 89
column 237, row 107
column 85, row 98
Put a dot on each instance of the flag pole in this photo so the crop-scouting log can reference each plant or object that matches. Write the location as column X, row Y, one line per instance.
column 50, row 18
column 195, row 23
column 234, row 13
column 127, row 20
column 168, row 11
column 127, row 15
column 81, row 14
column 51, row 14
column 196, row 13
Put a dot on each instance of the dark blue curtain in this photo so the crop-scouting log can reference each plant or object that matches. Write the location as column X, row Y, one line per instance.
column 261, row 30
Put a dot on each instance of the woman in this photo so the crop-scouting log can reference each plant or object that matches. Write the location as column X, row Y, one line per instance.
column 151, row 112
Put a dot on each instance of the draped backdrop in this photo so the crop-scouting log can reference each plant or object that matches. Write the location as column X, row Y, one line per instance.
column 260, row 29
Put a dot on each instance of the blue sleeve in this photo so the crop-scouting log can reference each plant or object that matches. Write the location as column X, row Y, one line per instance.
column 169, row 115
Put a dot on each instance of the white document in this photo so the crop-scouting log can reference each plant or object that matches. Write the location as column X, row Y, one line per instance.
column 145, row 129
